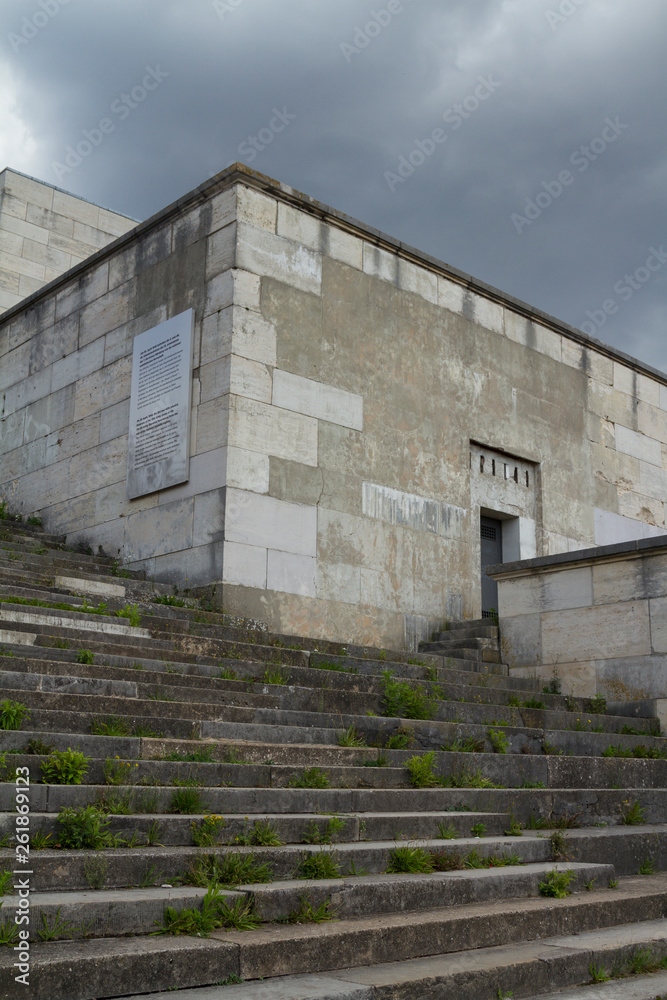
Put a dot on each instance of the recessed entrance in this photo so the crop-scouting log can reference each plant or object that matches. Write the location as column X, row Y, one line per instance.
column 492, row 553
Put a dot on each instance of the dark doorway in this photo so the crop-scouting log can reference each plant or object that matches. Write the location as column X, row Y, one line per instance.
column 492, row 553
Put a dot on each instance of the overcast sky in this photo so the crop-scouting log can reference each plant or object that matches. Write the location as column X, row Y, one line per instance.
column 502, row 190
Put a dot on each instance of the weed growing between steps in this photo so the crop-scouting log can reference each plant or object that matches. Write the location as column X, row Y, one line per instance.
column 187, row 801
column 314, row 834
column 226, row 871
column 499, row 740
column 464, row 744
column 65, row 767
column 642, row 962
column 639, row 751
column 422, row 775
column 632, row 814
column 215, row 912
column 113, row 725
column 556, row 884
column 443, row 860
column 263, row 834
column 402, row 700
column 95, row 871
column 308, row 913
column 324, row 864
column 311, row 777
column 12, row 714
column 350, row 738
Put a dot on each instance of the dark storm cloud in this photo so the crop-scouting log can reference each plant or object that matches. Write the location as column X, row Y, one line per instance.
column 363, row 85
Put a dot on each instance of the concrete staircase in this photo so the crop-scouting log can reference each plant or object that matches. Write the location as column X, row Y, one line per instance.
column 265, row 817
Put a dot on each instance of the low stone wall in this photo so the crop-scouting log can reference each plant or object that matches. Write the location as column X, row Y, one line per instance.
column 596, row 619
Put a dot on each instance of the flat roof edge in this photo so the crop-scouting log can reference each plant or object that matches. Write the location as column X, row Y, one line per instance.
column 240, row 173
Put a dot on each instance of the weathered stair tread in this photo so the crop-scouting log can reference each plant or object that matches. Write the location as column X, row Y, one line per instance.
column 74, row 970
column 633, row 988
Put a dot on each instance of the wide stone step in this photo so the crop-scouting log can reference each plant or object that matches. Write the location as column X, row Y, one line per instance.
column 302, row 695
column 124, row 912
column 296, row 828
column 471, row 955
column 600, row 808
column 66, row 869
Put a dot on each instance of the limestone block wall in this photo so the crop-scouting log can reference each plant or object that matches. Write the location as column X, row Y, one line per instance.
column 44, row 232
column 595, row 619
column 345, row 390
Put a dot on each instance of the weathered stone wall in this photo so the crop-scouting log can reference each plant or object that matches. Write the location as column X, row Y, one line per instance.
column 44, row 232
column 595, row 619
column 356, row 408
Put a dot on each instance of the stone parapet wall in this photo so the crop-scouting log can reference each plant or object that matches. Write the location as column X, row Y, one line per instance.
column 595, row 619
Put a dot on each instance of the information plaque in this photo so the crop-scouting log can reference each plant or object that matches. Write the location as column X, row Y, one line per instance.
column 158, row 441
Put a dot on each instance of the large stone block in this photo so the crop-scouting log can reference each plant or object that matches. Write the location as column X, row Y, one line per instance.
column 107, row 313
column 54, row 344
column 597, row 633
column 50, row 413
column 15, row 366
column 207, row 472
column 102, row 388
column 253, row 337
column 273, row 256
column 193, row 567
column 114, row 420
column 164, row 529
column 21, row 227
column 78, row 365
column 272, row 431
column 212, row 425
column 256, row 209
column 28, row 190
column 339, row 582
column 419, row 280
column 488, row 314
column 251, row 519
column 248, row 470
column 73, row 208
column 98, row 467
column 209, row 517
column 250, row 379
column 327, row 402
column 244, row 565
column 221, row 252
column 521, row 640
column 82, row 291
column 640, row 446
column 28, row 390
column 658, row 610
column 290, row 573
column 73, row 439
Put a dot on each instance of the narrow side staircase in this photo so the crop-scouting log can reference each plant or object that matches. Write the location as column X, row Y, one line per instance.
column 239, row 815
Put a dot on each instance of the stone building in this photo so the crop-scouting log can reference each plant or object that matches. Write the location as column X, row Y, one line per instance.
column 363, row 427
